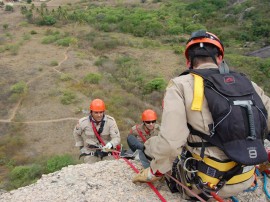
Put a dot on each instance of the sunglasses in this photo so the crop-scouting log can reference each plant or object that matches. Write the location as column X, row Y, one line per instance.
column 148, row 122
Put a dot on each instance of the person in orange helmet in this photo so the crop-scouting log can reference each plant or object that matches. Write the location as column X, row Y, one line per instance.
column 141, row 132
column 183, row 146
column 90, row 129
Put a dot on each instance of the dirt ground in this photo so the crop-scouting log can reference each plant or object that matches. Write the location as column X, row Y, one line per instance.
column 47, row 124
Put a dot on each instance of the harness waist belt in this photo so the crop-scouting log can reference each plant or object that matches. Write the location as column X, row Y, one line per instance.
column 212, row 171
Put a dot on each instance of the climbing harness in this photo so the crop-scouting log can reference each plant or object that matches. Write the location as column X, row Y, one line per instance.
column 207, row 174
column 115, row 155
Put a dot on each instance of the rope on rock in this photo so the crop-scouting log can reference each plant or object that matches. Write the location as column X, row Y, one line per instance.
column 265, row 176
column 149, row 184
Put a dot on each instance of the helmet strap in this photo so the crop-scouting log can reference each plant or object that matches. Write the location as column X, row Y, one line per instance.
column 210, row 53
column 223, row 68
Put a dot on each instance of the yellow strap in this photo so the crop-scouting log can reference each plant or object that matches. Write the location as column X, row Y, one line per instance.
column 234, row 180
column 221, row 166
column 198, row 93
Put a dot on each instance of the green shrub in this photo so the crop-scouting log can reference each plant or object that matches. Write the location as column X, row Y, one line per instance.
column 5, row 26
column 57, row 162
column 33, row 32
column 13, row 48
column 68, row 97
column 157, row 84
column 9, row 8
column 92, row 78
column 24, row 175
column 101, row 61
column 26, row 37
column 47, row 20
column 65, row 77
column 66, row 41
column 19, row 87
column 105, row 43
column 50, row 39
column 53, row 63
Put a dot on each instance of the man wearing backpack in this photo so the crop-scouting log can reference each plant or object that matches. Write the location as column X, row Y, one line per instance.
column 203, row 142
column 141, row 132
column 96, row 134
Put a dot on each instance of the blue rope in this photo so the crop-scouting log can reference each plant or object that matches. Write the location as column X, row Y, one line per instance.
column 252, row 188
column 234, row 199
column 256, row 184
column 265, row 184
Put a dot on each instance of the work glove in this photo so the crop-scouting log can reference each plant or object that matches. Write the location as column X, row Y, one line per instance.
column 145, row 176
column 107, row 147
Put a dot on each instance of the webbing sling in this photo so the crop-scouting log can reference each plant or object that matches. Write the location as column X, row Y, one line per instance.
column 140, row 133
column 198, row 93
column 101, row 140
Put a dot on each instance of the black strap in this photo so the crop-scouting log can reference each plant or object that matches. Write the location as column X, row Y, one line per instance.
column 211, row 139
column 200, row 144
column 229, row 174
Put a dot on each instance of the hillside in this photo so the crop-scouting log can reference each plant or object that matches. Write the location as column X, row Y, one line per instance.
column 51, row 72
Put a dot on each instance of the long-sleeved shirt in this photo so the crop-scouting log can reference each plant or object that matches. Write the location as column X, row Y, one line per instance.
column 84, row 134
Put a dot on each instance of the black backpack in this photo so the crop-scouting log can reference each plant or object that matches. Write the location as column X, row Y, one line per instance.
column 239, row 117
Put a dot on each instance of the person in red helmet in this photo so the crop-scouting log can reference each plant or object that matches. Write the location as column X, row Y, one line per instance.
column 141, row 132
column 90, row 129
column 189, row 131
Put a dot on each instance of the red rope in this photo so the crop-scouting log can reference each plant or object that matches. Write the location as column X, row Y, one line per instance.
column 149, row 184
column 140, row 133
column 116, row 156
column 101, row 140
column 217, row 197
column 186, row 188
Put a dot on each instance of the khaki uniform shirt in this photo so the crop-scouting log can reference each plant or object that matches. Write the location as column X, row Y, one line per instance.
column 140, row 128
column 84, row 134
column 176, row 114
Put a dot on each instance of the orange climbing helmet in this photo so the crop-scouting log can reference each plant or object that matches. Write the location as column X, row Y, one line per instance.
column 97, row 105
column 200, row 37
column 149, row 115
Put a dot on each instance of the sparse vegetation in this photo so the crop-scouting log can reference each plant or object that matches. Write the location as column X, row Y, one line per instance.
column 19, row 88
column 5, row 26
column 65, row 77
column 92, row 78
column 68, row 97
column 54, row 63
column 24, row 175
column 57, row 162
column 157, row 84
column 9, row 8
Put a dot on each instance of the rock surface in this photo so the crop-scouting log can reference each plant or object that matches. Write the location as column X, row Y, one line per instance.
column 102, row 181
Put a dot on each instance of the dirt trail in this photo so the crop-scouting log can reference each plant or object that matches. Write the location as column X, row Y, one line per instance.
column 21, row 99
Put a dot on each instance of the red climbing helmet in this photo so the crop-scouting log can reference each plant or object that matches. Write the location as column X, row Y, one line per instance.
column 202, row 36
column 97, row 105
column 149, row 115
